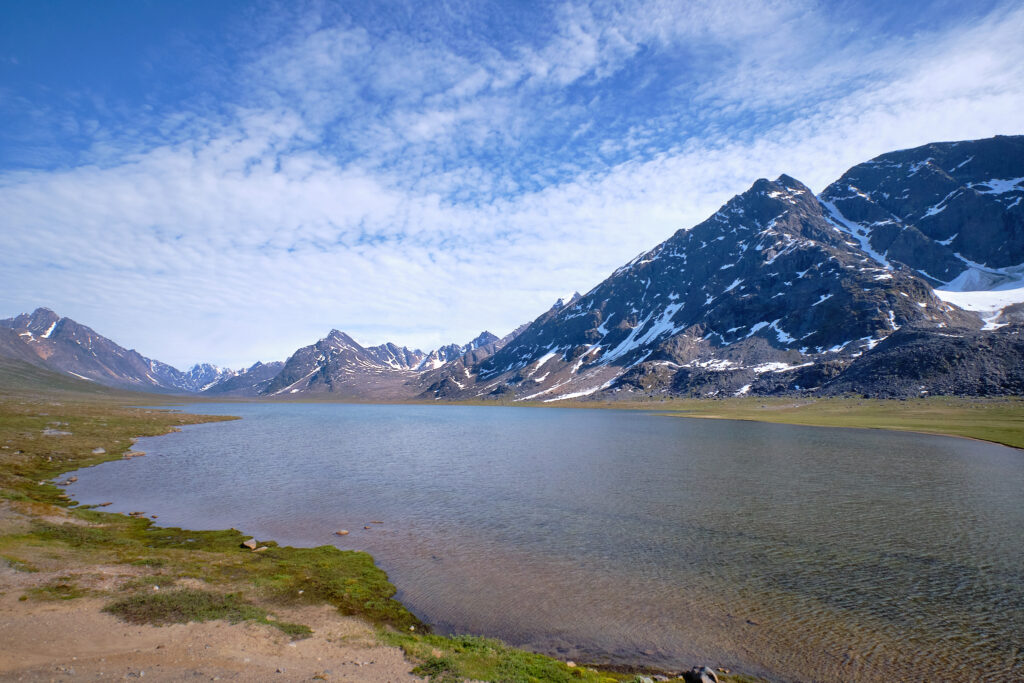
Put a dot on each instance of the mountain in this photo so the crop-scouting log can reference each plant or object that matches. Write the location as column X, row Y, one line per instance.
column 65, row 345
column 770, row 283
column 249, row 382
column 339, row 365
column 446, row 354
column 451, row 379
column 951, row 211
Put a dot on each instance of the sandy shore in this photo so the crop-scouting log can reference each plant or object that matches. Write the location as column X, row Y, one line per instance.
column 73, row 639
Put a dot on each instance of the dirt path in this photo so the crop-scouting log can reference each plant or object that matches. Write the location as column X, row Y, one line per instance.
column 74, row 640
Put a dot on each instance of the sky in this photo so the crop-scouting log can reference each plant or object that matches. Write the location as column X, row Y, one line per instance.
column 228, row 181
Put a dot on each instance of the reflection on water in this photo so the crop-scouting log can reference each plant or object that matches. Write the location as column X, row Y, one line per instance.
column 796, row 553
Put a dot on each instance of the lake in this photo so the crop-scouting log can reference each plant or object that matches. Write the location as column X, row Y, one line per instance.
column 795, row 553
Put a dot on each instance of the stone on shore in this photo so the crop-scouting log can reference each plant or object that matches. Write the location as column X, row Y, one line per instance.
column 250, row 544
column 99, row 451
column 700, row 674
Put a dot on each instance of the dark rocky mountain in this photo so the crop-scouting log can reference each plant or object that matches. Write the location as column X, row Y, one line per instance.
column 916, row 362
column 949, row 210
column 781, row 291
column 65, row 345
column 769, row 284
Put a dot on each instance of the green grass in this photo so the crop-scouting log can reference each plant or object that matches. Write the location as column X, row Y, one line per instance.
column 185, row 605
column 485, row 659
column 62, row 588
column 1000, row 420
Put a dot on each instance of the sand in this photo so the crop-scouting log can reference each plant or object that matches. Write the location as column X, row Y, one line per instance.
column 73, row 639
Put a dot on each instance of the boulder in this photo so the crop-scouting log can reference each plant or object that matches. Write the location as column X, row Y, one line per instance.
column 700, row 674
column 341, row 532
column 98, row 451
column 250, row 544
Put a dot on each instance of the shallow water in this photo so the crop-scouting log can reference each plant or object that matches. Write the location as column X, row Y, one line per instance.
column 596, row 535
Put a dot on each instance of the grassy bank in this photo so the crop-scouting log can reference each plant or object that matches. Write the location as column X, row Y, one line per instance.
column 999, row 420
column 40, row 439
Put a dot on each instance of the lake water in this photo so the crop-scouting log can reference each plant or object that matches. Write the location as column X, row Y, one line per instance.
column 610, row 536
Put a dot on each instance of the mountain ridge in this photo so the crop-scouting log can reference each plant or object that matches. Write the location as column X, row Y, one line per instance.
column 778, row 291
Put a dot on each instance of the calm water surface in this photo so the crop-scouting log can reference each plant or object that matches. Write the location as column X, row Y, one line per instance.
column 791, row 552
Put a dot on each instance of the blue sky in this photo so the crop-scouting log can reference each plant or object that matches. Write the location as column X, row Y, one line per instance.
column 228, row 181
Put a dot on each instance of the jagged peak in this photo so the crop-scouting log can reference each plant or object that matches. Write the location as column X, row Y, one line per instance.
column 484, row 338
column 336, row 335
column 792, row 184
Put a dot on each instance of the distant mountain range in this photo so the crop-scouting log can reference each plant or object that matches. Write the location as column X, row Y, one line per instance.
column 903, row 277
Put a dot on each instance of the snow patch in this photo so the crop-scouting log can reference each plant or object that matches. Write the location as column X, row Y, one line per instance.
column 856, row 230
column 577, row 394
column 733, row 286
column 999, row 186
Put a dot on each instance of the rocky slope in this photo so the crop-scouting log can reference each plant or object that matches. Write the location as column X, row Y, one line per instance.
column 948, row 210
column 249, row 382
column 65, row 345
column 771, row 283
column 60, row 343
column 918, row 362
column 340, row 366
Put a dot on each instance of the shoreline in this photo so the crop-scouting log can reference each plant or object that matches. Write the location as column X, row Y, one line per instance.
column 423, row 653
column 440, row 652
column 741, row 407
